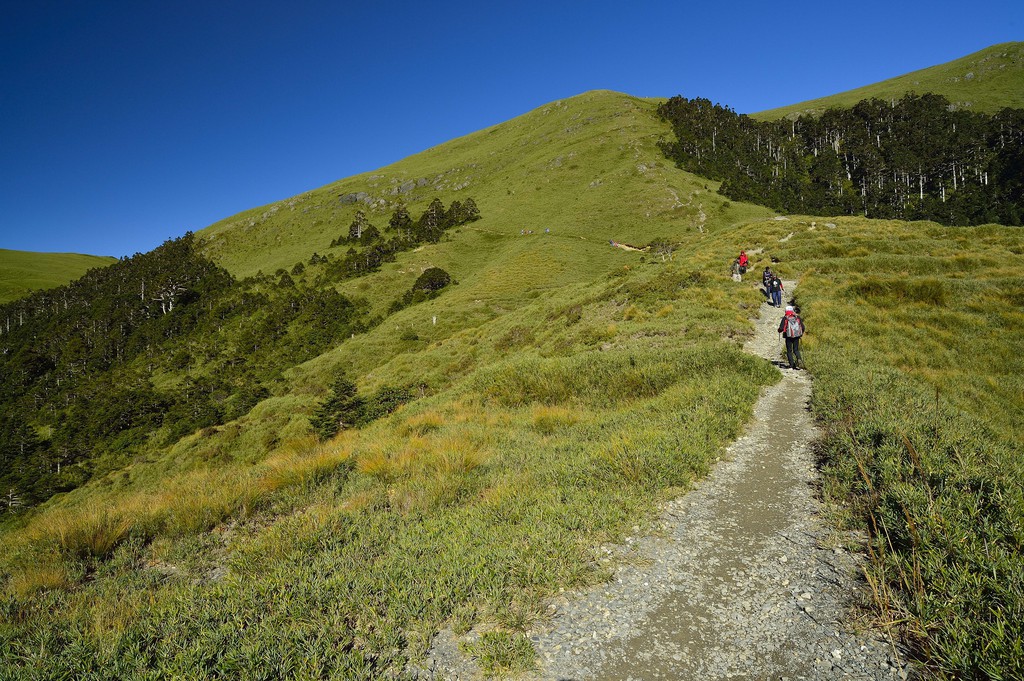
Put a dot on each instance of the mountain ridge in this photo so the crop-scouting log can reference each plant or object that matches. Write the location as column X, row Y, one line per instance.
column 513, row 149
column 986, row 80
column 22, row 272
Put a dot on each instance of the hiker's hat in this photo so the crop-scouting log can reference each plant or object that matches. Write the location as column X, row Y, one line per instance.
column 789, row 308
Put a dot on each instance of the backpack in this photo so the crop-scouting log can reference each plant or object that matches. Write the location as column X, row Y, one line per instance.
column 794, row 327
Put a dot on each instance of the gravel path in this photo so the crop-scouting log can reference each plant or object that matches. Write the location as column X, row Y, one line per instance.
column 743, row 580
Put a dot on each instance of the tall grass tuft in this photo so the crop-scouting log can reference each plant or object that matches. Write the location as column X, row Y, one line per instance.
column 305, row 461
column 26, row 581
column 552, row 419
column 92, row 532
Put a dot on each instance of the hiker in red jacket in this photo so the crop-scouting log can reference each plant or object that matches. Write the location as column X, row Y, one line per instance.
column 744, row 262
column 792, row 328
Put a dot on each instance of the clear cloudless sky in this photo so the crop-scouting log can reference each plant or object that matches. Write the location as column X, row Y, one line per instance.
column 123, row 124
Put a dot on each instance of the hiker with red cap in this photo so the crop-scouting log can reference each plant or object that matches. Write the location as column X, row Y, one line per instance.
column 792, row 328
column 744, row 262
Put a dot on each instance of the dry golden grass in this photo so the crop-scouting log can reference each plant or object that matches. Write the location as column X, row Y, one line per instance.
column 192, row 502
column 421, row 424
column 26, row 581
column 454, row 455
column 305, row 460
column 389, row 458
column 632, row 313
column 358, row 501
column 89, row 532
column 551, row 419
column 202, row 499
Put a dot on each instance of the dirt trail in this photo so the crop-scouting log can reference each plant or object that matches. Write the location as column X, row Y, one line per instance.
column 743, row 580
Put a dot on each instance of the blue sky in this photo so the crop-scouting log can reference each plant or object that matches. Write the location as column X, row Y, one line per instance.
column 127, row 123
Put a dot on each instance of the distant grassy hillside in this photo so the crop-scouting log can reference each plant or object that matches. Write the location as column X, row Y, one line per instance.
column 22, row 272
column 985, row 81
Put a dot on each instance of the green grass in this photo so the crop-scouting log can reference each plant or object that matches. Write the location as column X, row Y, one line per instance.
column 502, row 652
column 916, row 343
column 465, row 505
column 22, row 272
column 986, row 81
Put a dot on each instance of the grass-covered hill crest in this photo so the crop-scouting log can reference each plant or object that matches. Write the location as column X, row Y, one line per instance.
column 587, row 166
column 984, row 81
column 22, row 272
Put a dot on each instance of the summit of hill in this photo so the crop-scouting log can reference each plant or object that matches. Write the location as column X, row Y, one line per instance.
column 586, row 167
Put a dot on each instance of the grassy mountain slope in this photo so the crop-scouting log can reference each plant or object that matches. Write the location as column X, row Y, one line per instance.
column 22, row 272
column 563, row 387
column 987, row 81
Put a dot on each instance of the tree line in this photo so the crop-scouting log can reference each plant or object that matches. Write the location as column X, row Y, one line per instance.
column 79, row 362
column 159, row 345
column 916, row 158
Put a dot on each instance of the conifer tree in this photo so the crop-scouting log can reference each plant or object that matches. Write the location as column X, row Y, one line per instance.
column 342, row 409
column 401, row 222
column 432, row 222
column 455, row 215
column 469, row 211
column 358, row 226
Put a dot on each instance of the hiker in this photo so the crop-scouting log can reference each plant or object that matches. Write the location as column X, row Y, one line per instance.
column 792, row 328
column 775, row 289
column 743, row 261
column 737, row 274
column 766, row 278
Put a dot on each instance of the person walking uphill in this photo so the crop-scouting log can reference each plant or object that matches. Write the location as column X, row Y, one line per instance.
column 775, row 289
column 792, row 329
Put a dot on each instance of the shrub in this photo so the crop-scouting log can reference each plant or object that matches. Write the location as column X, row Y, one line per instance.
column 432, row 280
